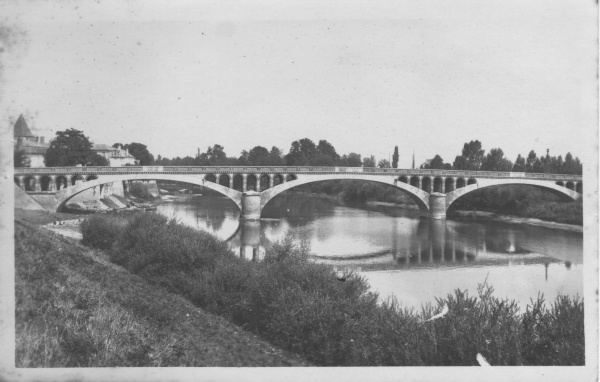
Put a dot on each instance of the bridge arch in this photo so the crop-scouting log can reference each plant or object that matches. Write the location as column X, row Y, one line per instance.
column 264, row 182
column 560, row 191
column 63, row 196
column 238, row 182
column 438, row 184
column 420, row 197
column 224, row 180
column 45, row 183
column 426, row 184
column 277, row 179
column 251, row 182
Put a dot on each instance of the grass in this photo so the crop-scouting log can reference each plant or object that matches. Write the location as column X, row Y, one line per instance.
column 75, row 308
column 300, row 306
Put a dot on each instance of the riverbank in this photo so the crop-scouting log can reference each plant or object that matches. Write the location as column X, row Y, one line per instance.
column 332, row 319
column 75, row 308
column 491, row 216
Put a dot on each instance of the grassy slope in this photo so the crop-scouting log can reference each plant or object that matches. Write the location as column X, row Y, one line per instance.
column 75, row 308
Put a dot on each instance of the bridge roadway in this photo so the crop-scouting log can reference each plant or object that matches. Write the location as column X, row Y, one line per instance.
column 251, row 188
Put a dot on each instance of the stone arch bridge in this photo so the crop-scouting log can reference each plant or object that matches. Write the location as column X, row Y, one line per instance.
column 251, row 188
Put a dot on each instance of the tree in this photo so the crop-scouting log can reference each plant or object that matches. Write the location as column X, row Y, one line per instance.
column 531, row 159
column 572, row 166
column 437, row 163
column 216, row 155
column 395, row 158
column 325, row 148
column 138, row 151
column 369, row 161
column 350, row 160
column 301, row 153
column 473, row 155
column 459, row 163
column 519, row 165
column 98, row 160
column 69, row 148
column 384, row 163
column 258, row 156
column 325, row 155
column 276, row 157
column 495, row 161
column 21, row 159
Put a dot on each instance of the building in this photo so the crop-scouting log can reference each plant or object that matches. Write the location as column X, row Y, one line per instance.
column 116, row 156
column 33, row 146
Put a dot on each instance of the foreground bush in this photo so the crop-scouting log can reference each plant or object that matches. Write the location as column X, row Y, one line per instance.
column 302, row 306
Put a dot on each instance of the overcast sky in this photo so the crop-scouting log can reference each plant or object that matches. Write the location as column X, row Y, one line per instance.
column 426, row 76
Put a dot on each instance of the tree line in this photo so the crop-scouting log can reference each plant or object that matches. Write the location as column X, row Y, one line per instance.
column 71, row 147
column 473, row 157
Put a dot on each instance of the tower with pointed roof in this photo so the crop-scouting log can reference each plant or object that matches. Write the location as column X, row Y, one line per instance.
column 33, row 146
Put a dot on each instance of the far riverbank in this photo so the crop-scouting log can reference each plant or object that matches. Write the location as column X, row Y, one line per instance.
column 492, row 216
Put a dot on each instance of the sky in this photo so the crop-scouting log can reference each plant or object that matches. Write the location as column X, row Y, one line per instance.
column 426, row 76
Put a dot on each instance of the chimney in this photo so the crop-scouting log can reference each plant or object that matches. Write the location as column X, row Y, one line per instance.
column 547, row 152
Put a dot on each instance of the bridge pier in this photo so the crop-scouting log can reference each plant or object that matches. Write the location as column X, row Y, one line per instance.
column 437, row 206
column 250, row 205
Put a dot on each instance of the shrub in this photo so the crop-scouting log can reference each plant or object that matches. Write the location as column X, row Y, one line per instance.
column 302, row 306
column 101, row 231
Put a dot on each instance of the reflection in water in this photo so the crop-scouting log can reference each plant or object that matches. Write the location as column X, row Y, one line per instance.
column 438, row 256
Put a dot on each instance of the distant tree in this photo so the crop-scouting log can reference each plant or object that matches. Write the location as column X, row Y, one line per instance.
column 98, row 160
column 572, row 165
column 369, row 161
column 530, row 162
column 437, row 163
column 158, row 160
column 395, row 158
column 460, row 163
column 350, row 160
column 325, row 148
column 21, row 159
column 301, row 153
column 473, row 155
column 69, row 148
column 139, row 152
column 258, row 156
column 384, row 163
column 215, row 155
column 538, row 166
column 519, row 165
column 495, row 161
column 276, row 157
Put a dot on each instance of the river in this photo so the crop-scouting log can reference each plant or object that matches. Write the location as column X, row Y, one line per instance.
column 400, row 254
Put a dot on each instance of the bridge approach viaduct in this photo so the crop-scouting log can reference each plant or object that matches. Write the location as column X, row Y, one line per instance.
column 251, row 188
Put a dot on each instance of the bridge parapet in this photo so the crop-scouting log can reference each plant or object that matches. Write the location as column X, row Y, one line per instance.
column 285, row 169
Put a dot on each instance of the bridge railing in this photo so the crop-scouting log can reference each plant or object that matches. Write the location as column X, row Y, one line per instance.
column 286, row 170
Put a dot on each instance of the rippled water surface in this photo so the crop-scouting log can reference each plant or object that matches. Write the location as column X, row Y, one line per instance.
column 399, row 253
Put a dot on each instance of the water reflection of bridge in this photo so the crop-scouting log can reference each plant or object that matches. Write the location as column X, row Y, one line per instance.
column 435, row 244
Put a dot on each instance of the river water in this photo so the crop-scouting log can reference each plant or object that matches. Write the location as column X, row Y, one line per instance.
column 400, row 254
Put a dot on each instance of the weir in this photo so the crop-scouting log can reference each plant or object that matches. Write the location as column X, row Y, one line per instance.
column 251, row 188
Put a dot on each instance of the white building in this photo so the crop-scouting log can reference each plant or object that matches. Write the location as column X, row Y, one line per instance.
column 116, row 156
